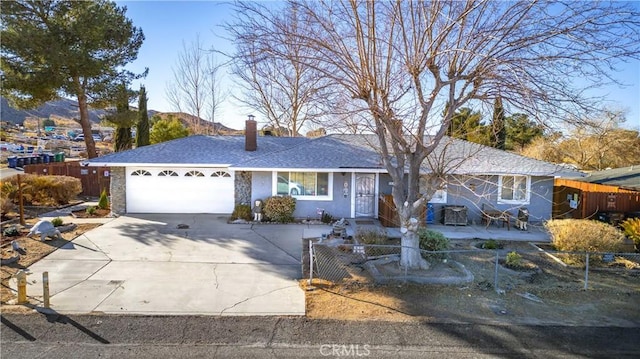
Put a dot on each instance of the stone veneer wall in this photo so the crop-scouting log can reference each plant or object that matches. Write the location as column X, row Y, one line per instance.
column 118, row 191
column 242, row 187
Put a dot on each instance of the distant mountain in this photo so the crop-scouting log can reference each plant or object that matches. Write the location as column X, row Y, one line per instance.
column 67, row 109
column 63, row 108
column 207, row 127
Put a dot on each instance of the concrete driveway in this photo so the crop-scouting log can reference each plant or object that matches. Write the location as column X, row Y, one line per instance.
column 144, row 264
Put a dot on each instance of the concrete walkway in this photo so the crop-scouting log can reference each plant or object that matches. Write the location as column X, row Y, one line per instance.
column 147, row 265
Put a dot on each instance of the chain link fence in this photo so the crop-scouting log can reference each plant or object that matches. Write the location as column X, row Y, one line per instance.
column 528, row 267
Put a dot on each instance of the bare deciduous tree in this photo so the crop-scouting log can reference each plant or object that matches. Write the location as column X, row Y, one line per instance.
column 592, row 144
column 274, row 71
column 195, row 87
column 404, row 60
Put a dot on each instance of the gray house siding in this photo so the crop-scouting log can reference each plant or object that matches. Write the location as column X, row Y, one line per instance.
column 261, row 188
column 486, row 191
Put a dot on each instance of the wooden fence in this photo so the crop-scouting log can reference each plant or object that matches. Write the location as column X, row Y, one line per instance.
column 569, row 202
column 387, row 214
column 94, row 179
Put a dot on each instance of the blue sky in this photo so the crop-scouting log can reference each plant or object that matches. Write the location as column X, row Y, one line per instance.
column 166, row 24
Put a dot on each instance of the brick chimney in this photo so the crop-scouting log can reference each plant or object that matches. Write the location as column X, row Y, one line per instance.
column 251, row 134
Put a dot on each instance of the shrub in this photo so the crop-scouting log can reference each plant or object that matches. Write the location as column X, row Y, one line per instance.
column 57, row 222
column 91, row 210
column 513, row 260
column 583, row 235
column 6, row 205
column 103, row 202
column 279, row 208
column 432, row 241
column 373, row 236
column 632, row 230
column 241, row 211
column 43, row 190
column 11, row 232
column 326, row 217
column 492, row 244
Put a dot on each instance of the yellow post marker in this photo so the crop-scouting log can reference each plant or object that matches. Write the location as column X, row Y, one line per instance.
column 21, row 276
column 45, row 289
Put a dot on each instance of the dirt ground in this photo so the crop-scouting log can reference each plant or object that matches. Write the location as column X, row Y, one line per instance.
column 35, row 250
column 545, row 292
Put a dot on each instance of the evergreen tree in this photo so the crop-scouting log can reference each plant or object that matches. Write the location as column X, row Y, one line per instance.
column 142, row 132
column 167, row 129
column 123, row 118
column 75, row 48
column 521, row 131
column 498, row 130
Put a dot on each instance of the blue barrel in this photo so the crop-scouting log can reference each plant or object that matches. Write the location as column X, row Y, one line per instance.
column 20, row 162
column 12, row 161
column 36, row 160
column 27, row 160
column 430, row 213
column 45, row 158
column 52, row 157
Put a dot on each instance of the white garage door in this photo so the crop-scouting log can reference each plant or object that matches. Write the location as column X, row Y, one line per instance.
column 183, row 190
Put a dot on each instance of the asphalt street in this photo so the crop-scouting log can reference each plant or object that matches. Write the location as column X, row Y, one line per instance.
column 8, row 172
column 87, row 336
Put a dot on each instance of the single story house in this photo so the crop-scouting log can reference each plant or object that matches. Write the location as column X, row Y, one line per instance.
column 339, row 174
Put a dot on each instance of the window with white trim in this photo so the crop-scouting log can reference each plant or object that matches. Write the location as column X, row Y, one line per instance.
column 439, row 197
column 303, row 185
column 514, row 189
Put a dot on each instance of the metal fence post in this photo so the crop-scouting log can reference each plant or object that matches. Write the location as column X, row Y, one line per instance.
column 310, row 261
column 495, row 280
column 586, row 273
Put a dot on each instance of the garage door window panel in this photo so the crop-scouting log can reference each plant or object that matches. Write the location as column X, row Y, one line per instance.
column 194, row 174
column 141, row 173
column 167, row 173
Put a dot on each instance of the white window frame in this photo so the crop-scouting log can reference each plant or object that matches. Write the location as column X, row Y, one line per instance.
column 442, row 192
column 512, row 201
column 328, row 197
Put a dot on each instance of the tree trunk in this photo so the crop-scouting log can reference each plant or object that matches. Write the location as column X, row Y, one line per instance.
column 410, row 256
column 85, row 123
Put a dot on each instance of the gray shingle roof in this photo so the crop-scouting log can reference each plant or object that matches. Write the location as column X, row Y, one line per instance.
column 199, row 150
column 625, row 177
column 328, row 152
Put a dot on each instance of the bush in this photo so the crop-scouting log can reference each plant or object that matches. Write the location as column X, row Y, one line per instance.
column 432, row 241
column 374, row 237
column 11, row 232
column 371, row 236
column 326, row 218
column 57, row 222
column 42, row 190
column 103, row 203
column 91, row 210
column 6, row 205
column 279, row 208
column 583, row 235
column 632, row 230
column 242, row 211
column 513, row 260
column 492, row 244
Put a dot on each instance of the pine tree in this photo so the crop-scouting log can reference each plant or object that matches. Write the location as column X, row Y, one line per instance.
column 142, row 132
column 498, row 130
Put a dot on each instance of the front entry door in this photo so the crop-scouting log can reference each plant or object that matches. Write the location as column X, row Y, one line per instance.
column 365, row 194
